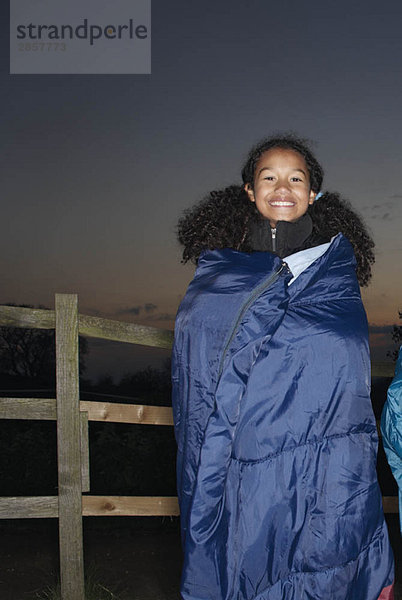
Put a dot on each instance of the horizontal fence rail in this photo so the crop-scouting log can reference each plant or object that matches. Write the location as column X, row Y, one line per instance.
column 44, row 409
column 105, row 329
column 40, row 507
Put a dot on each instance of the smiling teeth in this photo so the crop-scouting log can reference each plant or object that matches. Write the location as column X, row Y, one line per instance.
column 278, row 203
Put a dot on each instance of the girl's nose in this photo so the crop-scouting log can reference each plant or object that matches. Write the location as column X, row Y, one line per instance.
column 282, row 185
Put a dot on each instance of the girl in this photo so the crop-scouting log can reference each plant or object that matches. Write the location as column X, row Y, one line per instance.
column 271, row 392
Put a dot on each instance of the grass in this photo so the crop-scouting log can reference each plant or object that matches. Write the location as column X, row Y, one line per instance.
column 94, row 590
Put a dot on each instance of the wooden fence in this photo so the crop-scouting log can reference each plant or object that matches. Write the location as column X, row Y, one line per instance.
column 72, row 417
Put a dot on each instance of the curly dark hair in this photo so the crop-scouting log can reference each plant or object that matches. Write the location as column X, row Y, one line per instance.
column 223, row 219
column 287, row 141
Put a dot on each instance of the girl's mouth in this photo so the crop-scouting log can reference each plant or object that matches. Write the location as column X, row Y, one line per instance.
column 281, row 203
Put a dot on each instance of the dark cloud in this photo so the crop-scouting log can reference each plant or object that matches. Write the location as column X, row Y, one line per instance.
column 381, row 211
column 93, row 312
column 162, row 317
column 386, row 204
column 132, row 310
column 395, row 196
column 150, row 307
column 377, row 329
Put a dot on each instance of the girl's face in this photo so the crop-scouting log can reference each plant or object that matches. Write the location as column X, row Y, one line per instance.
column 281, row 186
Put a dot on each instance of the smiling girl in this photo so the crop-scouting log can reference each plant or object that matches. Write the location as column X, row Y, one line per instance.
column 276, row 437
column 281, row 189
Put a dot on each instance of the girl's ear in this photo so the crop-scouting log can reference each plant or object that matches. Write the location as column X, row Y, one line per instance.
column 249, row 192
column 312, row 197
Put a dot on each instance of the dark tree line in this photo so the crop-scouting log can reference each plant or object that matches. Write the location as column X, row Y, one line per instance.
column 31, row 353
column 397, row 338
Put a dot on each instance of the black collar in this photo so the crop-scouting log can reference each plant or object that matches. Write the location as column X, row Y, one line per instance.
column 287, row 239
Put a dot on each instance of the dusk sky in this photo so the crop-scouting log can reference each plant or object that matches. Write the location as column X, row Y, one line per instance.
column 97, row 169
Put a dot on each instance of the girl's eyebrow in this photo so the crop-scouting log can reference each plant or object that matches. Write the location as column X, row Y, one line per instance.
column 270, row 169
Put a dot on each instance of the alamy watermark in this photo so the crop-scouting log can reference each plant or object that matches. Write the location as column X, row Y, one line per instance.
column 80, row 36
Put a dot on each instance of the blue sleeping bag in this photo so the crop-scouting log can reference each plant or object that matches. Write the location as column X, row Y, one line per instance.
column 276, row 437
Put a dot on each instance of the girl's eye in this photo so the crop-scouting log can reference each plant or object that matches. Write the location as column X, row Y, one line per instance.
column 269, row 177
column 296, row 179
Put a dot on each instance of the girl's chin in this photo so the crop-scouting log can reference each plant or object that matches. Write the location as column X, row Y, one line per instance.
column 283, row 216
column 287, row 218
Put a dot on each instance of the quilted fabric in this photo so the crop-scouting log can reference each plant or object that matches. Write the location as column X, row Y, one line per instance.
column 276, row 437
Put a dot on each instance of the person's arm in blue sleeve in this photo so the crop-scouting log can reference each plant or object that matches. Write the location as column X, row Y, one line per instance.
column 391, row 428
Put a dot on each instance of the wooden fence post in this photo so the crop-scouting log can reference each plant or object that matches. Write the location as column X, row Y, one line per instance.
column 69, row 448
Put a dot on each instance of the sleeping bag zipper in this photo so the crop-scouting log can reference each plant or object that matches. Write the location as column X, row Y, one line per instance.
column 253, row 296
column 273, row 235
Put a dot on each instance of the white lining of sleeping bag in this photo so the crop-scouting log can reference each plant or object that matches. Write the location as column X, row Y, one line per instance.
column 299, row 261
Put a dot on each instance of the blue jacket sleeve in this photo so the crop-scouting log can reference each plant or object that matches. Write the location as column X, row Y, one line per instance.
column 391, row 428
